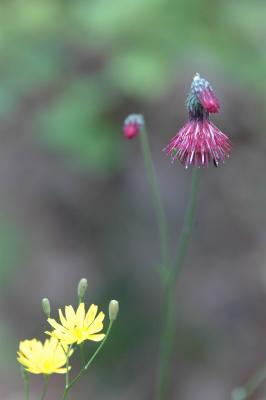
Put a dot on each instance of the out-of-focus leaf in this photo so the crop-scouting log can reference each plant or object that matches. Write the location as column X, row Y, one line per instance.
column 74, row 124
column 139, row 73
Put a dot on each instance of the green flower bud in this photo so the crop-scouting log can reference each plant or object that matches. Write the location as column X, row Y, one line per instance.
column 46, row 307
column 113, row 309
column 82, row 287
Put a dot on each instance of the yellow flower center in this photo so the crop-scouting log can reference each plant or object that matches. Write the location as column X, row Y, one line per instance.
column 47, row 367
column 78, row 332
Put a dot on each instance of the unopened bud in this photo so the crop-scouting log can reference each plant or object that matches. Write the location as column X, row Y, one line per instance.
column 82, row 287
column 113, row 309
column 46, row 307
column 132, row 125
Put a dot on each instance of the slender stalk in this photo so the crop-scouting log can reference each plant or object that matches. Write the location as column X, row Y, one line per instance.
column 45, row 386
column 82, row 354
column 87, row 365
column 251, row 386
column 26, row 390
column 157, row 202
column 67, row 365
column 26, row 383
column 168, row 334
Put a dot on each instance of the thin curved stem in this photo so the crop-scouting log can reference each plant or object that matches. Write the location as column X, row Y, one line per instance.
column 82, row 354
column 26, row 390
column 26, row 382
column 45, row 386
column 157, row 202
column 67, row 365
column 87, row 365
column 168, row 334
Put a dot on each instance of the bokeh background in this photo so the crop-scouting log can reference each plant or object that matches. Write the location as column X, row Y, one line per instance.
column 74, row 199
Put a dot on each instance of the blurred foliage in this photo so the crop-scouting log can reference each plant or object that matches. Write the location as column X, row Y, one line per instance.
column 95, row 53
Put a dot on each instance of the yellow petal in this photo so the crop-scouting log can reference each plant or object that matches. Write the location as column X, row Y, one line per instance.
column 62, row 318
column 61, row 370
column 91, row 314
column 96, row 338
column 97, row 324
column 80, row 315
column 56, row 325
column 70, row 317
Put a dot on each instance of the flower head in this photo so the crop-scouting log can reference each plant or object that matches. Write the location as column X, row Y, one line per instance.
column 132, row 125
column 199, row 141
column 43, row 358
column 76, row 327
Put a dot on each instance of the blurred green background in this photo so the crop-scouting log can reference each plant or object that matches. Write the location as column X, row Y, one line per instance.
column 74, row 200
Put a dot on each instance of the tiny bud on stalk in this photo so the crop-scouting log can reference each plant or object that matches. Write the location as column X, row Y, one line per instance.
column 132, row 125
column 82, row 287
column 46, row 307
column 113, row 309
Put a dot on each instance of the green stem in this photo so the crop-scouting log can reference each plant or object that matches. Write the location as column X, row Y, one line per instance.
column 87, row 365
column 26, row 382
column 82, row 354
column 67, row 365
column 45, row 386
column 27, row 389
column 157, row 202
column 251, row 386
column 168, row 334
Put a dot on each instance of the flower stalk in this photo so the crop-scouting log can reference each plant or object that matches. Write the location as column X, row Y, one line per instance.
column 45, row 386
column 157, row 202
column 26, row 382
column 169, row 325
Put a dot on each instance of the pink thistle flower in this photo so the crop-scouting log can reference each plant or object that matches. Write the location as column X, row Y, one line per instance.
column 132, row 125
column 199, row 141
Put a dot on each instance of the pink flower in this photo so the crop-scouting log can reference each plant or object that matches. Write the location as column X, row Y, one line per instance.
column 199, row 141
column 132, row 125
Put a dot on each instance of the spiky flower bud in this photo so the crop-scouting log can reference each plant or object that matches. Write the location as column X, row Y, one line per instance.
column 82, row 287
column 46, row 307
column 113, row 309
column 132, row 125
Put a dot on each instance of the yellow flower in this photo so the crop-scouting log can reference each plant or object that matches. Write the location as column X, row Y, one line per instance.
column 78, row 326
column 43, row 358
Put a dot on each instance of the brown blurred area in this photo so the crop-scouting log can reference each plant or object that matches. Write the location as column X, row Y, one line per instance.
column 75, row 201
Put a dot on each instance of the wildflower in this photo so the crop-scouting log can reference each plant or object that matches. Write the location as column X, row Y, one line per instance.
column 76, row 327
column 43, row 358
column 132, row 125
column 199, row 141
